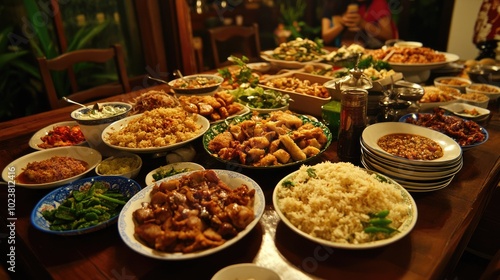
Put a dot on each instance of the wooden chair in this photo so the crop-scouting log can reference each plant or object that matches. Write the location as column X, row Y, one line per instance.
column 66, row 61
column 234, row 40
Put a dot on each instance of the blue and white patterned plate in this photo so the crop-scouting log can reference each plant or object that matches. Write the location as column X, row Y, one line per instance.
column 127, row 187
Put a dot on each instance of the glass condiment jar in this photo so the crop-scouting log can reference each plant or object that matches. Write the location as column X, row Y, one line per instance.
column 353, row 110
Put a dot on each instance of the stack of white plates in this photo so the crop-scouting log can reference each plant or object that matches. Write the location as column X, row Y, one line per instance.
column 414, row 175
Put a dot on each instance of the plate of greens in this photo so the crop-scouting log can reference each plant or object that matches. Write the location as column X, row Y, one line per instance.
column 84, row 206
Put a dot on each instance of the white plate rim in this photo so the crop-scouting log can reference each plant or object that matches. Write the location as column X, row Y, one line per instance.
column 185, row 164
column 456, row 108
column 114, row 182
column 35, row 139
column 267, row 56
column 407, row 166
column 201, row 120
column 240, row 113
column 126, row 224
column 373, row 132
column 407, row 226
column 89, row 155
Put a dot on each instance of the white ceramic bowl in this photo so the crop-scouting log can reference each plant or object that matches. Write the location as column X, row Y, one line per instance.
column 124, row 164
column 493, row 92
column 245, row 271
column 92, row 128
column 408, row 44
column 173, row 169
column 90, row 156
column 453, row 82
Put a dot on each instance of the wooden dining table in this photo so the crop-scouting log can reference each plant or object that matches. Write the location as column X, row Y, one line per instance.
column 446, row 220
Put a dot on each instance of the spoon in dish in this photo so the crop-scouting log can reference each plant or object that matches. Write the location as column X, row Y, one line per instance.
column 95, row 107
column 171, row 92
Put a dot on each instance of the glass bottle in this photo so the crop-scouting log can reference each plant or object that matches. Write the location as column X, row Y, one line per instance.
column 353, row 110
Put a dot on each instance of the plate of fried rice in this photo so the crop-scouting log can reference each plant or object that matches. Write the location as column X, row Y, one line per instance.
column 155, row 131
column 344, row 206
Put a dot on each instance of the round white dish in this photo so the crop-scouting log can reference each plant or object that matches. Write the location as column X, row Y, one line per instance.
column 197, row 90
column 412, row 67
column 459, row 108
column 372, row 133
column 242, row 112
column 491, row 95
column 404, row 229
column 407, row 166
column 35, row 140
column 409, row 175
column 90, row 156
column 126, row 187
column 404, row 118
column 245, row 271
column 190, row 166
column 408, row 44
column 132, row 172
column 126, row 224
column 259, row 66
column 284, row 64
column 118, row 125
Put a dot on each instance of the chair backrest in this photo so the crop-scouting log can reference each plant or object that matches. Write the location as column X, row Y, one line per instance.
column 234, row 40
column 66, row 61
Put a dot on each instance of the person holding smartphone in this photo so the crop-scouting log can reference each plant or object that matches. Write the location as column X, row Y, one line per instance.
column 365, row 22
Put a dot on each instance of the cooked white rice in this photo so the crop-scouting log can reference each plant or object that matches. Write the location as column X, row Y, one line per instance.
column 333, row 205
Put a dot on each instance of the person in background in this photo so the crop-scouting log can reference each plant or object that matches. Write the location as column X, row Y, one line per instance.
column 365, row 22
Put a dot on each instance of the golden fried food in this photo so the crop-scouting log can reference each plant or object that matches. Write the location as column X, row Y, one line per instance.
column 278, row 139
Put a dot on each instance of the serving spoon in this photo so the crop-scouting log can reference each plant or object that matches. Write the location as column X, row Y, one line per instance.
column 170, row 92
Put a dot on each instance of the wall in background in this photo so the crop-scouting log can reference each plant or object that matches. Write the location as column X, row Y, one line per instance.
column 462, row 28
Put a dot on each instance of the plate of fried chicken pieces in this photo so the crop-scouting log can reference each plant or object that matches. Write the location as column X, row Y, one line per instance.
column 274, row 140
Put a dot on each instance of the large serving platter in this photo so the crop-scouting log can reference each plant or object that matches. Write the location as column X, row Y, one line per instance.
column 221, row 127
column 372, row 133
column 125, row 186
column 404, row 229
column 36, row 140
column 411, row 67
column 404, row 118
column 284, row 64
column 121, row 124
column 126, row 223
column 90, row 156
